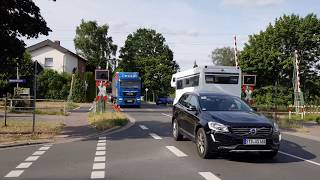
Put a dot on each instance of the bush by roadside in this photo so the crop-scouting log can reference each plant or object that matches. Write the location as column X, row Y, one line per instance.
column 21, row 130
column 107, row 120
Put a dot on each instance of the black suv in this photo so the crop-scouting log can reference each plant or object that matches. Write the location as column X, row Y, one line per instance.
column 223, row 123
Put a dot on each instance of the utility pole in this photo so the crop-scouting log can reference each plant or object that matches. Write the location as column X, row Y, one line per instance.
column 17, row 75
column 34, row 95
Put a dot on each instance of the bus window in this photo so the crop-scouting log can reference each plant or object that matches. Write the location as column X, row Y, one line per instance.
column 221, row 79
column 179, row 84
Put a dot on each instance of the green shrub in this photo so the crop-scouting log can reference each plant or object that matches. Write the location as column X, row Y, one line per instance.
column 53, row 85
column 78, row 89
column 271, row 95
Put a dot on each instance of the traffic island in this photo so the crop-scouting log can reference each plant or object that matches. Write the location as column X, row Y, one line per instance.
column 107, row 120
column 20, row 132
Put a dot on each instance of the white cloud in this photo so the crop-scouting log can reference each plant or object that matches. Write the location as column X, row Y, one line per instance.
column 260, row 3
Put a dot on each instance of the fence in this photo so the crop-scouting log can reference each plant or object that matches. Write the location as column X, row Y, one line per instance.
column 22, row 108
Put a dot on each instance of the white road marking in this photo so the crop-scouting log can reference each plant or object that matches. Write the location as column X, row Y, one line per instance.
column 24, row 165
column 14, row 173
column 100, row 159
column 166, row 115
column 155, row 136
column 38, row 153
column 176, row 151
column 297, row 157
column 44, row 148
column 143, row 127
column 76, row 108
column 98, row 166
column 100, row 153
column 101, row 144
column 32, row 158
column 101, row 148
column 90, row 109
column 97, row 174
column 102, row 137
column 209, row 176
column 102, row 141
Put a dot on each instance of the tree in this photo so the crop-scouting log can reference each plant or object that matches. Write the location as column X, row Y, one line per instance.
column 18, row 19
column 78, row 89
column 223, row 56
column 93, row 43
column 269, row 54
column 145, row 52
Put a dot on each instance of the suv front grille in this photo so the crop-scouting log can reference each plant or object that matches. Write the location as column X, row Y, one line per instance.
column 247, row 131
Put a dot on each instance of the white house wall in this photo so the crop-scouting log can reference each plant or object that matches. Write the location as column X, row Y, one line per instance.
column 70, row 63
column 48, row 52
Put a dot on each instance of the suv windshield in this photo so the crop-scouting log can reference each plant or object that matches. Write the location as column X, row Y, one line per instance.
column 223, row 103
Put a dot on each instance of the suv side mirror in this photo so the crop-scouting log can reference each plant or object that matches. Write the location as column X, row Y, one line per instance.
column 254, row 108
column 192, row 108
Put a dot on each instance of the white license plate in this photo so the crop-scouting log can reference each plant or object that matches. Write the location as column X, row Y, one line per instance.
column 129, row 100
column 254, row 141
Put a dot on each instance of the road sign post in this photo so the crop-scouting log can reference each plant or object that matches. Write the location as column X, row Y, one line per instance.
column 146, row 94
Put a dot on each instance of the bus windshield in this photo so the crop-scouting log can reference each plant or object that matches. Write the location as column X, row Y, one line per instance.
column 130, row 84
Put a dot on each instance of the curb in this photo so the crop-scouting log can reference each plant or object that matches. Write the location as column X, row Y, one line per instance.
column 24, row 143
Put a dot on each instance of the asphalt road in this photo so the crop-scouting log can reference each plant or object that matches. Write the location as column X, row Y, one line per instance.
column 146, row 151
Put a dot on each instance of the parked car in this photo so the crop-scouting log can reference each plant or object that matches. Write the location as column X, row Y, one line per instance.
column 223, row 123
column 164, row 100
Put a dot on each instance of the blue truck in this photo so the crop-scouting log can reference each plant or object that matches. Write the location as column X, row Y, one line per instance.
column 126, row 89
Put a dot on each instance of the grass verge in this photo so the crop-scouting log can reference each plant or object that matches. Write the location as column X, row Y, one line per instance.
column 21, row 130
column 107, row 120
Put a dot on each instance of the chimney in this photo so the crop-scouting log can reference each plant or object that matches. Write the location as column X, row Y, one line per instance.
column 57, row 42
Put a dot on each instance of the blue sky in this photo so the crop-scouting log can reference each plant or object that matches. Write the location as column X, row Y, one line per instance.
column 192, row 28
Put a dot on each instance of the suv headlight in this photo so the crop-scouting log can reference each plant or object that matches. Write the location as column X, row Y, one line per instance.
column 276, row 127
column 218, row 127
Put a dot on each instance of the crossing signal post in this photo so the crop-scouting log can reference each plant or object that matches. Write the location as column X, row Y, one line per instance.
column 102, row 82
column 248, row 84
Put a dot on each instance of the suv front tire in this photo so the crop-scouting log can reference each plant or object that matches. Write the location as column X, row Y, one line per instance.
column 175, row 131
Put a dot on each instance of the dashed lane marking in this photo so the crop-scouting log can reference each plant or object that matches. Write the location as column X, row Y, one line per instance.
column 166, row 115
column 143, row 127
column 32, row 158
column 99, row 163
column 101, row 148
column 26, row 164
column 38, row 153
column 297, row 157
column 14, row 173
column 44, row 148
column 209, row 176
column 155, row 136
column 97, row 174
column 176, row 151
column 101, row 144
column 99, row 166
column 100, row 159
column 100, row 153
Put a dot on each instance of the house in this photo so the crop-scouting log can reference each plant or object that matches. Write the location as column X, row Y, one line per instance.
column 51, row 55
